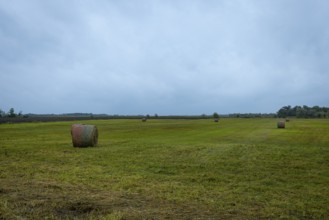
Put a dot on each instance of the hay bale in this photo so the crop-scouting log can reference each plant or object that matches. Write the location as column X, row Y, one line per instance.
column 84, row 135
column 216, row 119
column 143, row 119
column 281, row 124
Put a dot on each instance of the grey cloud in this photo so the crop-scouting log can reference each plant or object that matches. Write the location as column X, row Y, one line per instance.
column 166, row 57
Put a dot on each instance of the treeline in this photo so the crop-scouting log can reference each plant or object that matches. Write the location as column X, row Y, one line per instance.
column 286, row 111
column 303, row 112
column 251, row 115
column 10, row 114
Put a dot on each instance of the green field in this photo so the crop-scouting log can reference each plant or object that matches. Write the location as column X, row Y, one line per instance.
column 167, row 169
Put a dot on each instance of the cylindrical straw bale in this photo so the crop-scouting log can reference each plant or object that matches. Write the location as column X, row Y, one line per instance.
column 216, row 119
column 143, row 119
column 281, row 124
column 84, row 135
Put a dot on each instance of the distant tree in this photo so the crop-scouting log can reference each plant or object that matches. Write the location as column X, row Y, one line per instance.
column 282, row 112
column 285, row 111
column 320, row 114
column 156, row 115
column 216, row 115
column 2, row 113
column 11, row 113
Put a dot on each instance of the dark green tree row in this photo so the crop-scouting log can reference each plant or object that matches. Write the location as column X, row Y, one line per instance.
column 286, row 111
column 303, row 112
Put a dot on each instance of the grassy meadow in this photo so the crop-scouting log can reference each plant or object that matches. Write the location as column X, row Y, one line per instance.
column 166, row 169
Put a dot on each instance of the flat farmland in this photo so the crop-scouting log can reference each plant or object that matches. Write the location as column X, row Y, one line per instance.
column 166, row 169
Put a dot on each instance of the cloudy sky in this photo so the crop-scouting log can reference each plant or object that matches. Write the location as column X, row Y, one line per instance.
column 163, row 56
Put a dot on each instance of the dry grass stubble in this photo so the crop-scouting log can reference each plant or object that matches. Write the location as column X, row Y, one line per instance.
column 51, row 200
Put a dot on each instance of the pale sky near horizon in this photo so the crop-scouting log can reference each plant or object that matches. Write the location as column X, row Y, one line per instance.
column 163, row 56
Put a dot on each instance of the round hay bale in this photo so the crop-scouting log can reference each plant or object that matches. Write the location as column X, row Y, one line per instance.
column 84, row 135
column 143, row 119
column 216, row 119
column 281, row 124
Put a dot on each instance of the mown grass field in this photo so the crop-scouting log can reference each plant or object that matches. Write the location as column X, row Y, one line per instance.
column 166, row 169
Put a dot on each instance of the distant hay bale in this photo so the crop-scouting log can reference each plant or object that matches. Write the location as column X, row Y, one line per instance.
column 216, row 119
column 143, row 119
column 84, row 135
column 281, row 124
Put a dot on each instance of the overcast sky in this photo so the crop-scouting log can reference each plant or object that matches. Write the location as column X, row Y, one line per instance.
column 163, row 56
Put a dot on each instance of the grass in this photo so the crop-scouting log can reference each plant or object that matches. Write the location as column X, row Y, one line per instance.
column 166, row 169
